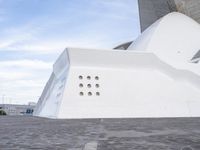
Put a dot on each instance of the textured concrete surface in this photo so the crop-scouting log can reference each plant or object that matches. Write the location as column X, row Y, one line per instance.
column 26, row 133
column 152, row 10
column 190, row 8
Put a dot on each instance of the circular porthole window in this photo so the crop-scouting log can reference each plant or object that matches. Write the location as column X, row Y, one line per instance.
column 89, row 93
column 80, row 85
column 97, row 85
column 88, row 77
column 81, row 93
column 80, row 77
column 96, row 78
column 97, row 94
column 89, row 85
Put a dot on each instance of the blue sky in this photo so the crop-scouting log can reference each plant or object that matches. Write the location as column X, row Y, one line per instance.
column 34, row 32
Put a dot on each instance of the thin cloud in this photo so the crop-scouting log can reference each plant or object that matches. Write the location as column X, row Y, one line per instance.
column 31, row 36
column 31, row 64
column 102, row 25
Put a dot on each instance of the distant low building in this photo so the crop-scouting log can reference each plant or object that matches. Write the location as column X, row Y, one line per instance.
column 14, row 109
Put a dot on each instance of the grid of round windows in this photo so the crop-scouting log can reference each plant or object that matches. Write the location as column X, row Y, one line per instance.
column 89, row 88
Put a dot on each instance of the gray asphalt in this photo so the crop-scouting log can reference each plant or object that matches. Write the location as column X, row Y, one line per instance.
column 24, row 133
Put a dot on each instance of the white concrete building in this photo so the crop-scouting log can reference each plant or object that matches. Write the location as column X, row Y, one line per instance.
column 158, row 76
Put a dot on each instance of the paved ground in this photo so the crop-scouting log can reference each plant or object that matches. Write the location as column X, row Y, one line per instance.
column 26, row 133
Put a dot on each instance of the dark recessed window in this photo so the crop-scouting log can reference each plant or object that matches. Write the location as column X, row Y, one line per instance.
column 80, row 85
column 81, row 93
column 80, row 77
column 97, row 94
column 97, row 85
column 96, row 78
column 89, row 93
column 89, row 85
column 88, row 77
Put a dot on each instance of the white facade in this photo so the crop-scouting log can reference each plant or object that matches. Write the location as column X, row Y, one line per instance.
column 156, row 77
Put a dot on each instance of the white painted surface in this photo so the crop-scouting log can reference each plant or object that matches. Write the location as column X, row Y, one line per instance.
column 154, row 81
column 141, row 85
column 174, row 38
